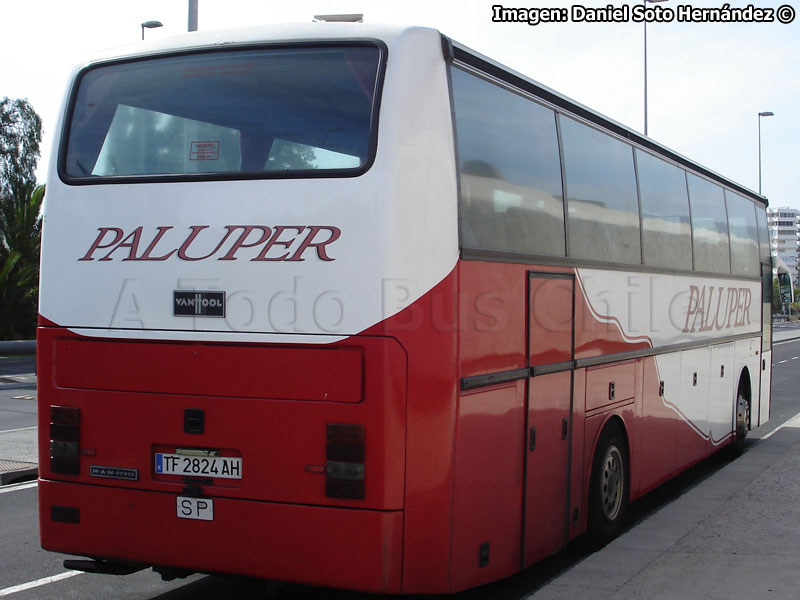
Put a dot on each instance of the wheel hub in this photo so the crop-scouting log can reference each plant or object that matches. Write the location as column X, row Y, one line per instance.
column 612, row 483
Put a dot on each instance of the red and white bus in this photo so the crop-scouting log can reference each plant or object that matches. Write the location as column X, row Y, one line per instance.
column 354, row 306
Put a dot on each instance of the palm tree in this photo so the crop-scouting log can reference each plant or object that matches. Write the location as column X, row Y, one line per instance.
column 20, row 222
column 20, row 235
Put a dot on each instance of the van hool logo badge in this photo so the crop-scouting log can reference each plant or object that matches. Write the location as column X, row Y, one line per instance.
column 189, row 303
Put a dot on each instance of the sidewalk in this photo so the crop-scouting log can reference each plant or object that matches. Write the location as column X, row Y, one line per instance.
column 734, row 535
column 785, row 334
column 18, row 450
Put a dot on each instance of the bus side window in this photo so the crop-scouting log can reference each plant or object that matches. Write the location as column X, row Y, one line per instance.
column 709, row 226
column 666, row 231
column 509, row 170
column 744, row 235
column 602, row 202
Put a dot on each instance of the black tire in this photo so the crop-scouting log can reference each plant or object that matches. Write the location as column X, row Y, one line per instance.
column 608, row 490
column 742, row 424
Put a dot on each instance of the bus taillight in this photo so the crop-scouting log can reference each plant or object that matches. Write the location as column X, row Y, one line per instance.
column 65, row 437
column 344, row 468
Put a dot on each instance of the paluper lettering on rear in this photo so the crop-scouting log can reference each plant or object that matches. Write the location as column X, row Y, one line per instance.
column 203, row 242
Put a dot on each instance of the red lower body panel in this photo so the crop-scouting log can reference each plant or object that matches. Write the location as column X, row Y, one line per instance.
column 335, row 547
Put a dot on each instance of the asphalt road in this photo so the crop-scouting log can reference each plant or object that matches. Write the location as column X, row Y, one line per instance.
column 23, row 562
column 17, row 407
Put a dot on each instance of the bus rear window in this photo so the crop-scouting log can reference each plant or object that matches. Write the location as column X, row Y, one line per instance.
column 270, row 112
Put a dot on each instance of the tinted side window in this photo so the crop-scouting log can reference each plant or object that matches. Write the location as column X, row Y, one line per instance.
column 744, row 237
column 709, row 226
column 766, row 306
column 763, row 233
column 510, row 174
column 602, row 202
column 666, row 231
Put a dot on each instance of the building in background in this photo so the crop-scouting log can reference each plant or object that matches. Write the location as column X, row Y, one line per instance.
column 784, row 236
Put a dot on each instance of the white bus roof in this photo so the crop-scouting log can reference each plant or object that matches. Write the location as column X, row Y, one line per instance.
column 259, row 34
column 389, row 33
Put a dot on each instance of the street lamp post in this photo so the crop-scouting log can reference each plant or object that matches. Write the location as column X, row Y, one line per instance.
column 644, row 3
column 151, row 25
column 192, row 15
column 761, row 114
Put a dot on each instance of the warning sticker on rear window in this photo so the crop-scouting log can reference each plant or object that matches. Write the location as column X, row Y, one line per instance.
column 204, row 151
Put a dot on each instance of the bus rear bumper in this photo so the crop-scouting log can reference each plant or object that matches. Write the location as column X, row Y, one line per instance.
column 315, row 545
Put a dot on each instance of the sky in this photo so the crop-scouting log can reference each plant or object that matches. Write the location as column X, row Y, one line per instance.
column 707, row 82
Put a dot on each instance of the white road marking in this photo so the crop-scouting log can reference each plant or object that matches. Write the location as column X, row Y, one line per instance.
column 792, row 422
column 39, row 582
column 783, row 361
column 18, row 487
column 20, row 429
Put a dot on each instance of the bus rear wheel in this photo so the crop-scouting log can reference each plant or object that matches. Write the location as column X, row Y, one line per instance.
column 742, row 423
column 608, row 491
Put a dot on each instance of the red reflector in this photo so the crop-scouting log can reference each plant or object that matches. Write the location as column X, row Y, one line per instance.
column 350, row 490
column 64, row 466
column 65, row 433
column 345, row 433
column 65, row 415
column 65, row 514
column 344, row 452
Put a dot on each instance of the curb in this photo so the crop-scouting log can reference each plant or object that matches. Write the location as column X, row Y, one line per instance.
column 22, row 380
column 12, row 471
column 18, row 347
column 19, row 378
